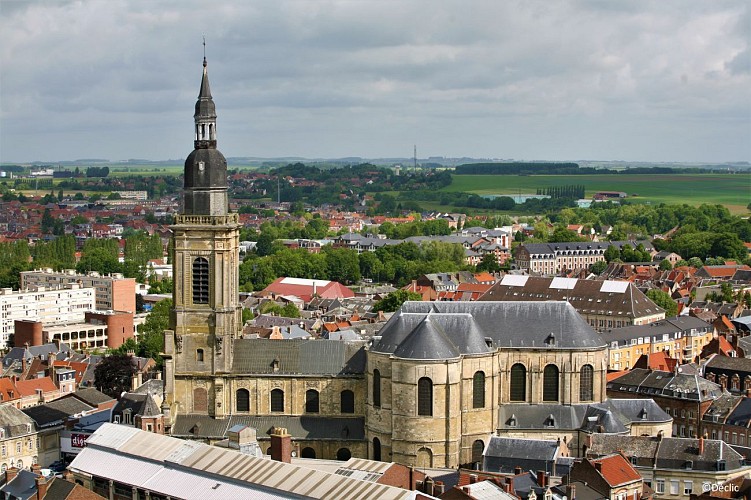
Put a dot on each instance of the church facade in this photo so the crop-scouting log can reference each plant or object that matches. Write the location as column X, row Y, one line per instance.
column 438, row 380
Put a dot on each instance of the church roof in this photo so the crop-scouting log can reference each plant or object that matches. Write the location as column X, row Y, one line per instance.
column 471, row 326
column 427, row 341
column 297, row 356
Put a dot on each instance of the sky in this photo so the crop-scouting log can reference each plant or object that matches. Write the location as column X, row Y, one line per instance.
column 660, row 81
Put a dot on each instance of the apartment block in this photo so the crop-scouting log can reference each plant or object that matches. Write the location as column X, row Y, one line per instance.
column 47, row 305
column 113, row 292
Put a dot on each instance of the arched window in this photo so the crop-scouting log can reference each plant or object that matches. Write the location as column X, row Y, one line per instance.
column 518, row 383
column 550, row 383
column 277, row 400
column 477, row 448
column 586, row 383
column 243, row 400
column 376, row 449
column 347, row 401
column 311, row 401
column 343, row 454
column 200, row 281
column 478, row 390
column 308, row 453
column 200, row 399
column 425, row 397
column 376, row 388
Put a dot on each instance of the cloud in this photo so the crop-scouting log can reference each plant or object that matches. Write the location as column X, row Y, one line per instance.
column 561, row 80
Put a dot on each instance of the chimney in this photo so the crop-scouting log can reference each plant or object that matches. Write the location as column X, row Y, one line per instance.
column 281, row 445
column 439, row 488
column 472, row 478
column 430, row 487
column 510, row 483
column 41, row 484
column 571, row 491
column 598, row 467
column 10, row 474
column 701, row 445
column 517, row 470
column 542, row 478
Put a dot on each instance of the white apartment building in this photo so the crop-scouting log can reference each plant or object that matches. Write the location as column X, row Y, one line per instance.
column 61, row 304
column 113, row 292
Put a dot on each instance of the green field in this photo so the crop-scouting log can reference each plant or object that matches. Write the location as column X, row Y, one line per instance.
column 733, row 191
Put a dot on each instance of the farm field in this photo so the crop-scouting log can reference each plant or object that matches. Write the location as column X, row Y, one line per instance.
column 733, row 191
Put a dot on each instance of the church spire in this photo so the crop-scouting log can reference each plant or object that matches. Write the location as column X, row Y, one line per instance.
column 205, row 115
column 206, row 168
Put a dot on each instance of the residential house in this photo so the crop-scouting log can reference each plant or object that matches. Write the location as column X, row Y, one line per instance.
column 684, row 396
column 612, row 476
column 674, row 468
column 18, row 439
column 603, row 304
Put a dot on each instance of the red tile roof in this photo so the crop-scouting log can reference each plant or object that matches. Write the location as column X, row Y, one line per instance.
column 29, row 387
column 8, row 390
column 616, row 470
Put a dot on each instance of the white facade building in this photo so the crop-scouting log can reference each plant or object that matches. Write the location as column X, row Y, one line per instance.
column 67, row 304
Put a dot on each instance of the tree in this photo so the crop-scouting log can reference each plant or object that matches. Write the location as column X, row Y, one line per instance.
column 665, row 265
column 612, row 253
column 598, row 267
column 113, row 375
column 663, row 300
column 395, row 300
column 152, row 332
column 489, row 264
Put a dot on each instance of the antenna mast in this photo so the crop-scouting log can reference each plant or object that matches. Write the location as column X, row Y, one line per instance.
column 415, row 159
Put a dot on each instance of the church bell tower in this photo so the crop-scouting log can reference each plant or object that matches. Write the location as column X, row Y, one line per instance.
column 206, row 316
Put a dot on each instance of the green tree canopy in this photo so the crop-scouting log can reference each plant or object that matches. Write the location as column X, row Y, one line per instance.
column 395, row 300
column 113, row 375
column 663, row 300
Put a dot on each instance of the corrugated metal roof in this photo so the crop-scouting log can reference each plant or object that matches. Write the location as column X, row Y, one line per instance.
column 134, row 457
column 186, row 485
column 118, row 467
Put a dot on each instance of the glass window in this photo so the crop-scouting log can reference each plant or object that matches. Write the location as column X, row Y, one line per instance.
column 478, row 391
column 518, row 383
column 347, row 401
column 311, row 401
column 688, row 487
column 586, row 383
column 674, row 487
column 376, row 389
column 277, row 400
column 425, row 397
column 243, row 400
column 550, row 383
column 659, row 486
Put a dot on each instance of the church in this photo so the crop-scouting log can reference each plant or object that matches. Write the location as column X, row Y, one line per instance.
column 429, row 390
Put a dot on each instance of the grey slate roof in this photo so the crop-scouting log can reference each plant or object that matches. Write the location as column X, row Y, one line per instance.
column 741, row 414
column 56, row 412
column 137, row 404
column 22, row 487
column 730, row 363
column 14, row 422
column 686, row 325
column 427, row 341
column 611, row 416
column 534, row 449
column 668, row 453
column 652, row 383
column 351, row 428
column 467, row 325
column 295, row 356
column 91, row 396
column 587, row 296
